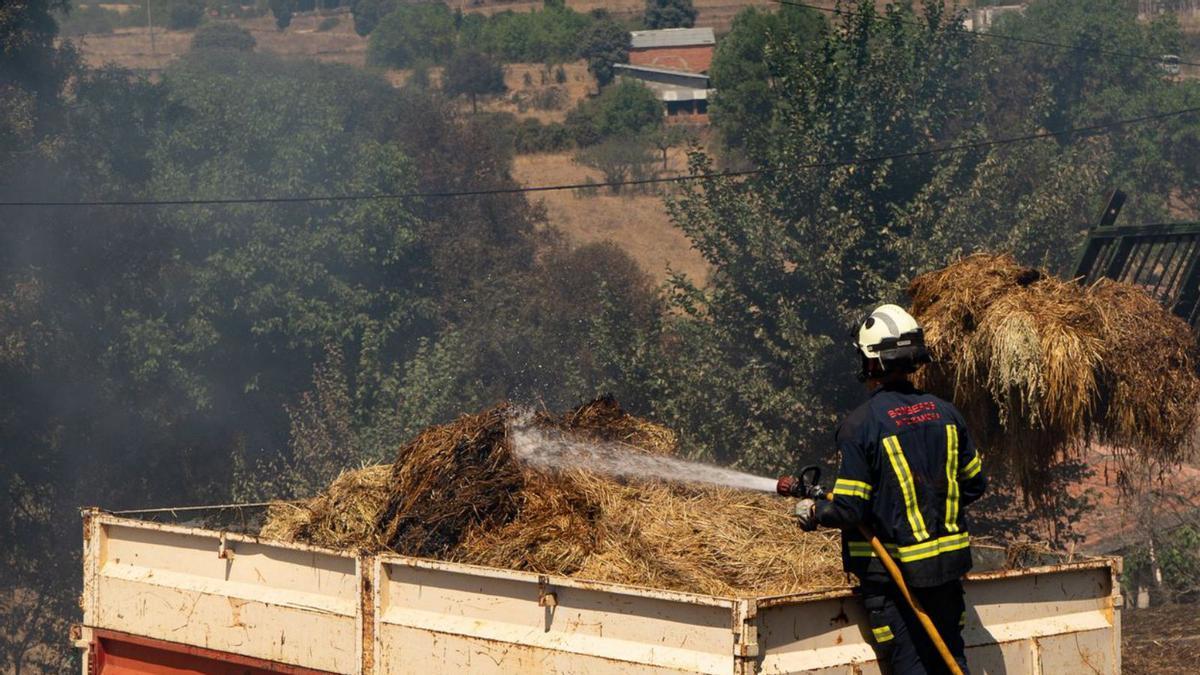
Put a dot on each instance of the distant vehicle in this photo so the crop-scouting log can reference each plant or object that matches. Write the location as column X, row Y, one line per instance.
column 1170, row 64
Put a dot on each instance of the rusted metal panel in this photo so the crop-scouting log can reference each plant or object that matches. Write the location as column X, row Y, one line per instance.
column 123, row 654
column 293, row 605
column 1017, row 622
column 440, row 615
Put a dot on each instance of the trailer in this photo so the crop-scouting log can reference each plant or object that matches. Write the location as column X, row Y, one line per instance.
column 168, row 598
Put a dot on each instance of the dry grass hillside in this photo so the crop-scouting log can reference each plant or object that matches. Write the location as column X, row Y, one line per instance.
column 132, row 48
column 716, row 13
column 637, row 222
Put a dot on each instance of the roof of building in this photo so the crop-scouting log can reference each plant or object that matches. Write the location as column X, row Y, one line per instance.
column 672, row 37
column 668, row 85
column 700, row 78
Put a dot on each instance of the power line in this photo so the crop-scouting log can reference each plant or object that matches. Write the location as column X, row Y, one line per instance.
column 451, row 194
column 1001, row 36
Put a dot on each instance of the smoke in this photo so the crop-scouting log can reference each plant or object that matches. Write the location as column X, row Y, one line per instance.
column 554, row 449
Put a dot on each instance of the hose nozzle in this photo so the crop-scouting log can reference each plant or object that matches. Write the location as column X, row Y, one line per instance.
column 789, row 486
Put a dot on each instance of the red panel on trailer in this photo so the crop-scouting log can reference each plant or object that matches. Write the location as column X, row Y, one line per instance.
column 122, row 654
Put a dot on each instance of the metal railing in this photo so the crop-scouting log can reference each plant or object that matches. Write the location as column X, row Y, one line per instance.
column 1160, row 259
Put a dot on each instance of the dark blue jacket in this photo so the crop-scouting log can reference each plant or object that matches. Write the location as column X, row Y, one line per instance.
column 908, row 467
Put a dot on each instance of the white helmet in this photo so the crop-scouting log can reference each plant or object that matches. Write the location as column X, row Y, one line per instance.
column 893, row 337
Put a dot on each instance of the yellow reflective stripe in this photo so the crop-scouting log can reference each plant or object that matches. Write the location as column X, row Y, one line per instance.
column 852, row 488
column 951, row 478
column 861, row 549
column 900, row 466
column 972, row 468
column 883, row 633
column 922, row 551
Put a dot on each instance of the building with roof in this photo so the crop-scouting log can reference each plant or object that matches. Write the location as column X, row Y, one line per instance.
column 686, row 49
column 684, row 95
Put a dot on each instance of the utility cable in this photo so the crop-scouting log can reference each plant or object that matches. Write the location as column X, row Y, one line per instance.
column 999, row 36
column 1101, row 127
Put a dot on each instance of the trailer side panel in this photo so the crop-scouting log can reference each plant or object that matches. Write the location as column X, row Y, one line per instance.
column 437, row 616
column 1056, row 619
column 194, row 587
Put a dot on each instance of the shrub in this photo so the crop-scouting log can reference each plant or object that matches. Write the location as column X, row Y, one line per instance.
column 560, row 75
column 328, row 23
column 531, row 136
column 185, row 14
column 223, row 36
column 548, row 98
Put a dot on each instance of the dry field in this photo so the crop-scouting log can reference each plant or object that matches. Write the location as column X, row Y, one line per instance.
column 716, row 13
column 638, row 223
column 131, row 47
column 1161, row 641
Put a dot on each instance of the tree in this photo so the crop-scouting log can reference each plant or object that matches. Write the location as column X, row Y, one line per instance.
column 223, row 36
column 798, row 253
column 472, row 73
column 669, row 14
column 1062, row 88
column 282, row 11
column 547, row 36
column 666, row 137
column 413, row 33
column 604, row 43
column 742, row 105
column 620, row 159
column 368, row 13
column 625, row 108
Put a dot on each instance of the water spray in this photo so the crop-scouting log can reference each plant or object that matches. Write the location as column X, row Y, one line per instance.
column 555, row 449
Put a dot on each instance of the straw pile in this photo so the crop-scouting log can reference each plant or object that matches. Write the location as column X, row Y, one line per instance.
column 457, row 492
column 1040, row 367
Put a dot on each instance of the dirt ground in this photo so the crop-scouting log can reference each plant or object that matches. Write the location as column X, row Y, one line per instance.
column 636, row 222
column 1161, row 640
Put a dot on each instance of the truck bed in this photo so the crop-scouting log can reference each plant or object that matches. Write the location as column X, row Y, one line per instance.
column 167, row 598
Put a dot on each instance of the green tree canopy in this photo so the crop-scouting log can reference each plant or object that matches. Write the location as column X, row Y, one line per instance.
column 742, row 106
column 1059, row 89
column 669, row 14
column 624, row 108
column 798, row 253
column 413, row 33
column 603, row 44
column 368, row 13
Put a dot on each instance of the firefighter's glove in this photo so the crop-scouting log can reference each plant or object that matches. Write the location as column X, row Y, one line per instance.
column 806, row 514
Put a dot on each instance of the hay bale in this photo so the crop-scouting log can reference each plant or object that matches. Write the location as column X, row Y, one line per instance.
column 457, row 492
column 343, row 516
column 1040, row 366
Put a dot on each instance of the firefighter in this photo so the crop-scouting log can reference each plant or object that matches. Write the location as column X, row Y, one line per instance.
column 908, row 469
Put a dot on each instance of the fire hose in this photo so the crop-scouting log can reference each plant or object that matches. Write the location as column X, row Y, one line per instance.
column 807, row 485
